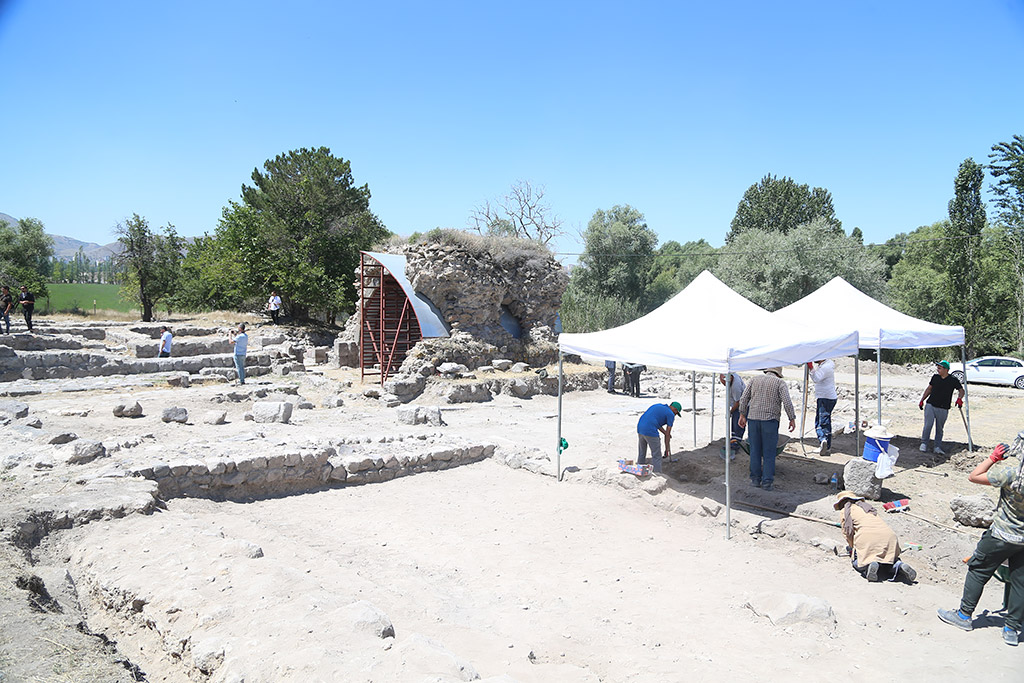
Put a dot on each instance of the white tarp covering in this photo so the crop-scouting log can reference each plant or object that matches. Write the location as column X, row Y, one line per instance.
column 710, row 328
column 427, row 314
column 839, row 307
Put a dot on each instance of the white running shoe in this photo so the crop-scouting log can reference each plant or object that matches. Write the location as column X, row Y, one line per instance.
column 939, row 451
column 923, row 448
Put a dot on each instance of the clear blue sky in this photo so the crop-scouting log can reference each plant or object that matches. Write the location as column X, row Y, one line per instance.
column 164, row 109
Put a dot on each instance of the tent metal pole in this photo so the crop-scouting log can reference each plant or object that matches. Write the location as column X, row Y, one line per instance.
column 558, row 448
column 967, row 399
column 878, row 363
column 693, row 383
column 856, row 396
column 728, row 448
column 714, row 383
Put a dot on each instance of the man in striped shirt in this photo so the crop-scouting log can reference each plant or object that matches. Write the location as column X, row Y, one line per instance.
column 760, row 409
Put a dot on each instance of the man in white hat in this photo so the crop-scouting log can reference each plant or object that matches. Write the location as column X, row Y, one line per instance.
column 760, row 409
column 874, row 547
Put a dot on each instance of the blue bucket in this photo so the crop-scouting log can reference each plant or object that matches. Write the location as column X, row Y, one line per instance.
column 873, row 447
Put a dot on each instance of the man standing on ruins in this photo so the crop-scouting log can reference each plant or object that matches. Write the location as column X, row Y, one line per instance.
column 761, row 407
column 28, row 304
column 274, row 306
column 1002, row 542
column 655, row 421
column 6, row 304
column 165, row 342
column 935, row 402
column 241, row 342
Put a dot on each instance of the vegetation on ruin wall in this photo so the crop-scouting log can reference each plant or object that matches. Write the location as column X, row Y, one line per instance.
column 504, row 250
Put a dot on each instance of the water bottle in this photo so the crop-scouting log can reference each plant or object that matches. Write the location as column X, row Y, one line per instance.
column 834, row 481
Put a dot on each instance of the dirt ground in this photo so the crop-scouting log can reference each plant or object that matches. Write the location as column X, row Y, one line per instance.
column 503, row 573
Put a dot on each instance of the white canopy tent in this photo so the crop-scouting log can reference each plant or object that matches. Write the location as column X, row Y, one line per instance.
column 878, row 326
column 710, row 328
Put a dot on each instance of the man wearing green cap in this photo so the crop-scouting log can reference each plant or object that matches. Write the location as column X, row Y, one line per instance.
column 935, row 403
column 657, row 418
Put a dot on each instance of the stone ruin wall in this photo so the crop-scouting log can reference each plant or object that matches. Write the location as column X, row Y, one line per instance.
column 470, row 288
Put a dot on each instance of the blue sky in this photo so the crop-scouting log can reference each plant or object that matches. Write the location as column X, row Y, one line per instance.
column 164, row 109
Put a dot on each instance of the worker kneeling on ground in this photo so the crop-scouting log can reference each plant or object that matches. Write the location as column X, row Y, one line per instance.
column 656, row 419
column 874, row 547
column 1001, row 542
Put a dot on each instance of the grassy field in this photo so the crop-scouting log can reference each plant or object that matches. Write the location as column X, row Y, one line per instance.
column 83, row 298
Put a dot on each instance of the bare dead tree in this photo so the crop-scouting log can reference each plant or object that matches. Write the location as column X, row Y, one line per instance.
column 522, row 212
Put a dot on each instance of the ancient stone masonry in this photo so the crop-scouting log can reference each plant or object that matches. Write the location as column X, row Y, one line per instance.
column 240, row 471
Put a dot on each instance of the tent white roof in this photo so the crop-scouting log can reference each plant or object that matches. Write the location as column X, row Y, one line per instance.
column 839, row 307
column 710, row 328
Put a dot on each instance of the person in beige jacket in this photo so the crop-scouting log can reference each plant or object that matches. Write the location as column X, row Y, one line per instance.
column 874, row 547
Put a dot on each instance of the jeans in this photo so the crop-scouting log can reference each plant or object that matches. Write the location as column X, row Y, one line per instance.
column 990, row 553
column 27, row 312
column 763, row 438
column 655, row 443
column 936, row 416
column 737, row 431
column 240, row 367
column 823, row 420
column 610, row 365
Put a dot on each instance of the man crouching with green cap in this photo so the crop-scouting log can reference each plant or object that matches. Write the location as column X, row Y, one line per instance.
column 657, row 418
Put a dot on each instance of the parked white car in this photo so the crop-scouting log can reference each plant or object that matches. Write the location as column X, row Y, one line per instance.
column 992, row 370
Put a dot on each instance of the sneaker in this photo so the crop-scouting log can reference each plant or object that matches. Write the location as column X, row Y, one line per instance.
column 824, row 448
column 872, row 572
column 923, row 448
column 939, row 451
column 756, row 483
column 1010, row 636
column 952, row 617
column 767, row 485
column 906, row 572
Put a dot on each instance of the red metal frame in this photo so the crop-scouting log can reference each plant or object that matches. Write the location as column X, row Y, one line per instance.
column 388, row 326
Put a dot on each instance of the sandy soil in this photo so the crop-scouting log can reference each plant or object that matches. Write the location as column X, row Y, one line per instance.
column 505, row 572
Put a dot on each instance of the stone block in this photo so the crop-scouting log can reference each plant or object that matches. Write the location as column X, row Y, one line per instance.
column 179, row 380
column 501, row 364
column 335, row 401
column 519, row 388
column 519, row 367
column 215, row 417
column 272, row 411
column 973, row 511
column 13, row 409
column 859, row 477
column 63, row 437
column 452, row 369
column 128, row 410
column 357, row 463
column 86, row 451
column 174, row 414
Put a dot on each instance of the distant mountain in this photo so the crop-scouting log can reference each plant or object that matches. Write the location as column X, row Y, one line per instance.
column 65, row 248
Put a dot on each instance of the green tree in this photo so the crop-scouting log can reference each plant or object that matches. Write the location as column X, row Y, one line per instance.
column 152, row 263
column 617, row 254
column 966, row 222
column 26, row 253
column 1007, row 168
column 310, row 221
column 780, row 205
column 774, row 269
column 675, row 266
column 918, row 283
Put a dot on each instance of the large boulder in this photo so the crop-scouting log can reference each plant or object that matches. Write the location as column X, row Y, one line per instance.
column 128, row 409
column 859, row 477
column 272, row 411
column 973, row 511
column 13, row 409
column 174, row 414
